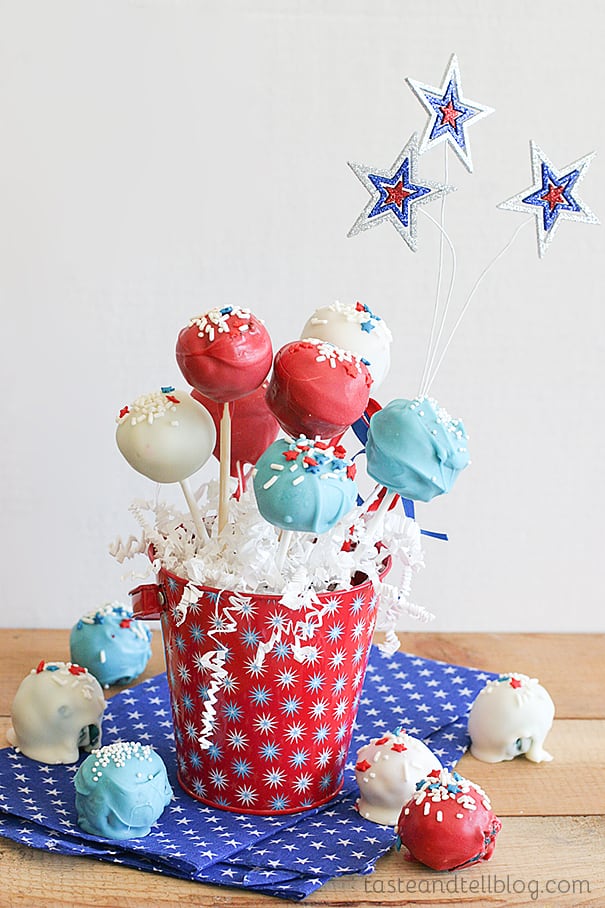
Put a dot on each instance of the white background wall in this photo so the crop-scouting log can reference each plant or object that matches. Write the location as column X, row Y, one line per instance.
column 158, row 158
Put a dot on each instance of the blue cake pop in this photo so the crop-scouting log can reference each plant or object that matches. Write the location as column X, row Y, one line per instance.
column 121, row 791
column 304, row 485
column 114, row 646
column 415, row 448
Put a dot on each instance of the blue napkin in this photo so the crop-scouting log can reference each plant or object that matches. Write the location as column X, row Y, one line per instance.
column 288, row 856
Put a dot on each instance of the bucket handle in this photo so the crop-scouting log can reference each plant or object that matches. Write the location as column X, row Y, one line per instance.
column 148, row 601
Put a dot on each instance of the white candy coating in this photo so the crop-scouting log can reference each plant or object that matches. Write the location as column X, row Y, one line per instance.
column 166, row 435
column 396, row 764
column 57, row 709
column 511, row 716
column 343, row 326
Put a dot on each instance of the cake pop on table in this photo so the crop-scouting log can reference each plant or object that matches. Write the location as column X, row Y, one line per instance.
column 387, row 770
column 121, row 791
column 448, row 823
column 58, row 709
column 317, row 389
column 512, row 715
column 167, row 436
column 111, row 643
column 355, row 328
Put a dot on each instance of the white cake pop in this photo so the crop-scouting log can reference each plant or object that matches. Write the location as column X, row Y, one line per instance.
column 512, row 715
column 387, row 770
column 57, row 709
column 167, row 436
column 354, row 328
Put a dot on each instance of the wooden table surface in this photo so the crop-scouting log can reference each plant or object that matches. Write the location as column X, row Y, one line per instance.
column 551, row 851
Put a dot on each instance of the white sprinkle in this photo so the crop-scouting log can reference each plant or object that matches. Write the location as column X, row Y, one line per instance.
column 427, row 808
column 407, row 811
column 294, row 468
column 270, row 482
column 439, row 816
column 298, row 480
column 459, row 816
column 102, row 656
column 174, row 422
column 277, row 466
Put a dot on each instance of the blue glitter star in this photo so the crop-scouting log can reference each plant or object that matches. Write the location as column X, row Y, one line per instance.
column 449, row 113
column 396, row 193
column 552, row 196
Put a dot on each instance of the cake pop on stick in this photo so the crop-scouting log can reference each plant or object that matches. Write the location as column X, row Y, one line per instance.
column 416, row 449
column 304, row 486
column 224, row 354
column 317, row 389
column 355, row 328
column 167, row 436
column 253, row 427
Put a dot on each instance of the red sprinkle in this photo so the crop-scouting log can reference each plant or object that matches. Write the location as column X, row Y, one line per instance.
column 399, row 748
column 339, row 451
column 360, row 307
column 363, row 765
column 76, row 670
column 514, row 682
column 291, row 455
column 347, row 546
column 172, row 399
column 321, row 445
column 125, row 622
column 351, row 471
column 40, row 666
column 382, row 740
column 124, row 411
column 434, row 774
column 310, row 461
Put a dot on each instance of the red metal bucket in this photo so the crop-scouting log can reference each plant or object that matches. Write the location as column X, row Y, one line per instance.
column 263, row 697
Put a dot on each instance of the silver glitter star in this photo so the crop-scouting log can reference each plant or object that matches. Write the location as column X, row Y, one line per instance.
column 450, row 114
column 396, row 194
column 552, row 196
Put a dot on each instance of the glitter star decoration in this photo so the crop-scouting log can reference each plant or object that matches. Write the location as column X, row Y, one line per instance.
column 396, row 194
column 450, row 114
column 552, row 196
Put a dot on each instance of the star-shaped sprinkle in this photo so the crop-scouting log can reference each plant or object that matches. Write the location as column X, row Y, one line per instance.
column 552, row 196
column 396, row 194
column 515, row 683
column 450, row 114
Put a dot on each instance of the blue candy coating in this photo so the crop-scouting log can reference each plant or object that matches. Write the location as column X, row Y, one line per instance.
column 111, row 644
column 312, row 497
column 416, row 449
column 121, row 791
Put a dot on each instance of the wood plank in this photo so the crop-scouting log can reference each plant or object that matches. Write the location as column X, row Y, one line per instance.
column 21, row 650
column 569, row 665
column 564, row 853
column 572, row 785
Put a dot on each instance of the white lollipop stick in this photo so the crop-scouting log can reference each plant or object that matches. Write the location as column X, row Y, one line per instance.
column 225, row 465
column 282, row 549
column 201, row 530
column 376, row 522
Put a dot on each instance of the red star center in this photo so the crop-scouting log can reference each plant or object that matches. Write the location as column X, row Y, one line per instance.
column 514, row 682
column 555, row 196
column 396, row 195
column 291, row 455
column 399, row 748
column 450, row 114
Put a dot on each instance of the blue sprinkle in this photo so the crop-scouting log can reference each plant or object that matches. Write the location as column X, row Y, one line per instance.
column 226, row 310
column 167, row 390
column 51, row 668
column 366, row 362
column 79, row 625
column 367, row 326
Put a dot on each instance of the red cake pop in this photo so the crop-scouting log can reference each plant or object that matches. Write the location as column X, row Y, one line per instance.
column 317, row 389
column 253, row 426
column 448, row 823
column 224, row 354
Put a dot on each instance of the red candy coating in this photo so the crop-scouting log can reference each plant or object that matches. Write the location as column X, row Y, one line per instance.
column 253, row 426
column 225, row 354
column 317, row 389
column 449, row 823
